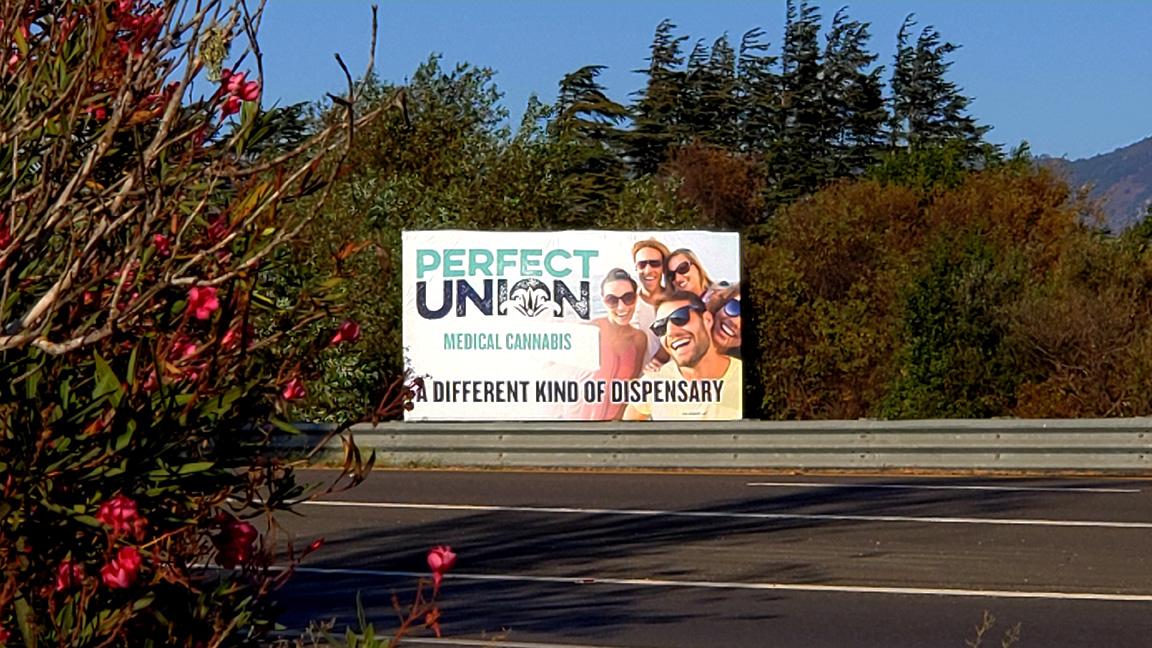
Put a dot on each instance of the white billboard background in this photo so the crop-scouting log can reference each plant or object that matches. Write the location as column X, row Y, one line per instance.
column 425, row 339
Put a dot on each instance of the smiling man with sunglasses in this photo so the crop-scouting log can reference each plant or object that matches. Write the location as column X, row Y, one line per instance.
column 684, row 327
column 649, row 256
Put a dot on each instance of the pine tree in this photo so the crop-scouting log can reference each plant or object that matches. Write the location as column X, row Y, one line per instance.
column 927, row 109
column 586, row 127
column 710, row 106
column 800, row 154
column 852, row 98
column 658, row 111
column 757, row 95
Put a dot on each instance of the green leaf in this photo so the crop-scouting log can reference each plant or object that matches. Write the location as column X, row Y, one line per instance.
column 89, row 520
column 284, row 426
column 107, row 384
column 195, row 467
column 125, row 437
column 132, row 366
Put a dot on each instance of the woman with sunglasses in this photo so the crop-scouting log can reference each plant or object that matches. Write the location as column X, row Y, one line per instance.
column 724, row 304
column 649, row 256
column 685, row 272
column 622, row 346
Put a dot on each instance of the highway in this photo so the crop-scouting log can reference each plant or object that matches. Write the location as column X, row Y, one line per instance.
column 651, row 560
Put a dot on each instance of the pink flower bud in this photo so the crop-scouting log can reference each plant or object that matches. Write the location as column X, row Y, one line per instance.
column 236, row 543
column 231, row 106
column 202, row 302
column 440, row 560
column 233, row 82
column 121, row 571
column 98, row 112
column 68, row 574
column 250, row 91
column 120, row 513
column 293, row 390
column 349, row 331
column 162, row 245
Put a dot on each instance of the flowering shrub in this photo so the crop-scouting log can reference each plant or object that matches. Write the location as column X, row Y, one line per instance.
column 139, row 215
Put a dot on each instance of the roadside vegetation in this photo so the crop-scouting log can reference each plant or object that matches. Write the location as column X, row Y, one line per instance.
column 897, row 264
column 183, row 271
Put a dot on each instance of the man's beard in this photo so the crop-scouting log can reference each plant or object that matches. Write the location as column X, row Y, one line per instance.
column 701, row 349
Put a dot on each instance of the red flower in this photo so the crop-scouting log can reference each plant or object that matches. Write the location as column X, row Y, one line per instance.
column 162, row 244
column 235, row 89
column 231, row 81
column 294, row 390
column 120, row 513
column 440, row 560
column 182, row 348
column 249, row 91
column 236, row 543
column 121, row 571
column 225, row 76
column 98, row 111
column 231, row 339
column 68, row 574
column 202, row 301
column 217, row 229
column 231, row 106
column 349, row 331
column 151, row 383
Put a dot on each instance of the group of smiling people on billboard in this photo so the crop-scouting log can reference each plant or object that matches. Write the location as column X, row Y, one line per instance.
column 670, row 337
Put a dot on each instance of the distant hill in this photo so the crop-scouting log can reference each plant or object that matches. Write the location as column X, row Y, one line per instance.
column 1122, row 180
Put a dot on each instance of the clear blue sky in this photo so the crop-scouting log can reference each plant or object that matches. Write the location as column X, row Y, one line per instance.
column 1071, row 77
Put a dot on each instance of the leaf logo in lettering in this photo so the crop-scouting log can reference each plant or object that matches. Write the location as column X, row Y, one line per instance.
column 531, row 298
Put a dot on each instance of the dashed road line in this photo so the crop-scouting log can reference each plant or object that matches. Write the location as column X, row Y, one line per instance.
column 791, row 587
column 810, row 517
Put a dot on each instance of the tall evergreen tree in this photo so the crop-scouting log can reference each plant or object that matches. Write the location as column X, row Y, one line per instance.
column 852, row 98
column 799, row 156
column 586, row 126
column 658, row 111
column 926, row 108
column 758, row 95
column 710, row 108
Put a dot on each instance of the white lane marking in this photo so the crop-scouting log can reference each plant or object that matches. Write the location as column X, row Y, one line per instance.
column 488, row 508
column 1034, row 489
column 790, row 587
column 492, row 643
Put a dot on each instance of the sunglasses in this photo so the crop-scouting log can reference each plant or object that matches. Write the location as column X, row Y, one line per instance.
column 732, row 308
column 681, row 269
column 679, row 317
column 628, row 298
column 651, row 263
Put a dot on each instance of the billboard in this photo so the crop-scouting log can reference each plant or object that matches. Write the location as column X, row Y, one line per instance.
column 573, row 325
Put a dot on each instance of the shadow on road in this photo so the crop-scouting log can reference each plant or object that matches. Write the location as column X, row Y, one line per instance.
column 618, row 547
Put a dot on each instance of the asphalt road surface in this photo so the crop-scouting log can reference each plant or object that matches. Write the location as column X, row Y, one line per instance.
column 603, row 560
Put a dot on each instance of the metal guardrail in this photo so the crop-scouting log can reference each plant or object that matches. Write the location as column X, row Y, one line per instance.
column 997, row 444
